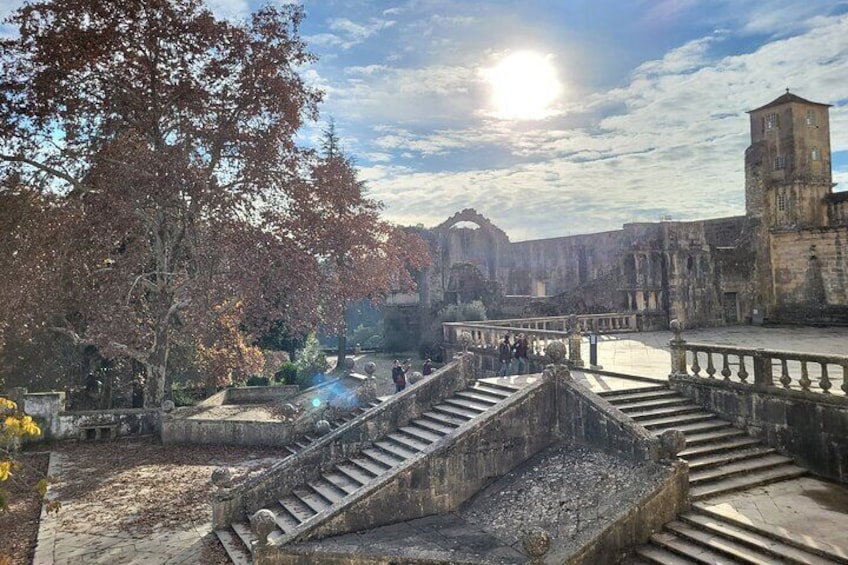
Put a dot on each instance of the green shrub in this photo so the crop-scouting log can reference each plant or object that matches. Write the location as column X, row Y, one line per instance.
column 257, row 380
column 181, row 396
column 286, row 374
column 311, row 363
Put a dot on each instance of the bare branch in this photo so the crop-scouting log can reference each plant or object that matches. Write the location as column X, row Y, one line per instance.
column 47, row 169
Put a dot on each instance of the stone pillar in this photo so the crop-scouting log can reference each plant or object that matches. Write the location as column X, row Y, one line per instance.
column 678, row 353
column 762, row 369
column 575, row 339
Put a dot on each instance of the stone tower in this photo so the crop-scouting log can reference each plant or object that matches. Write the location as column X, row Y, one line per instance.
column 787, row 166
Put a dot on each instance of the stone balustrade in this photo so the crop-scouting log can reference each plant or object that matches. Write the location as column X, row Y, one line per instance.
column 485, row 337
column 610, row 322
column 764, row 367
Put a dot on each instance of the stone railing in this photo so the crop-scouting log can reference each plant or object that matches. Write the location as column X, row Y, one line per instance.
column 763, row 367
column 610, row 322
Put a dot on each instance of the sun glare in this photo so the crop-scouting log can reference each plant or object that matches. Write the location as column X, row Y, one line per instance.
column 524, row 86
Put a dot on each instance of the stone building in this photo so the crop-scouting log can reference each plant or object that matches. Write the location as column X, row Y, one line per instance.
column 785, row 260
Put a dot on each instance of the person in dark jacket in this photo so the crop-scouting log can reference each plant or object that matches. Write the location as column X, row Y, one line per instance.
column 399, row 374
column 427, row 369
column 520, row 349
column 505, row 357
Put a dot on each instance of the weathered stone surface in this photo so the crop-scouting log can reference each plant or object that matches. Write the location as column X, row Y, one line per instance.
column 262, row 523
column 222, row 477
column 322, row 427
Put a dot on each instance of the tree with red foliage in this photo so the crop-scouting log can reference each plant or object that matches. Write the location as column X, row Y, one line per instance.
column 362, row 256
column 145, row 150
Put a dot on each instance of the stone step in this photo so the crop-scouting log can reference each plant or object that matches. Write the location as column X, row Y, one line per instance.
column 234, row 546
column 647, row 393
column 301, row 444
column 732, row 550
column 420, row 434
column 395, row 449
column 746, row 466
column 454, row 411
column 774, row 548
column 293, row 450
column 649, row 404
column 714, row 436
column 312, row 499
column 718, row 447
column 659, row 555
column 693, row 552
column 285, row 521
column 382, row 457
column 697, row 463
column 498, row 389
column 474, row 406
column 368, row 466
column 341, row 481
column 804, row 543
column 328, row 490
column 474, row 396
column 407, row 442
column 444, row 419
column 296, row 507
column 650, row 414
column 354, row 473
column 748, row 480
column 712, row 425
column 674, row 421
column 432, row 426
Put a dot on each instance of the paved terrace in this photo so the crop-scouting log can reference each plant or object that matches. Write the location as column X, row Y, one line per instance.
column 808, row 508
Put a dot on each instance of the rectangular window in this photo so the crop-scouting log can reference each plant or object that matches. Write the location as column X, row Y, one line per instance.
column 816, row 154
column 781, row 202
column 779, row 163
column 771, row 120
column 811, row 117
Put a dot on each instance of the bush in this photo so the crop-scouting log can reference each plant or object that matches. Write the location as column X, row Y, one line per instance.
column 311, row 363
column 286, row 374
column 181, row 396
column 257, row 380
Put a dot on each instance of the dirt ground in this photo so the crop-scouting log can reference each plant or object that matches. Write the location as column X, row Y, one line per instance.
column 133, row 486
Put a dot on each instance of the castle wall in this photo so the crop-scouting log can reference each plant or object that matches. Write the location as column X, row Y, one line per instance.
column 810, row 272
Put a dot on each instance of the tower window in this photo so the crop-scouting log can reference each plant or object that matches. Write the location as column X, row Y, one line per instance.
column 779, row 163
column 811, row 117
column 771, row 120
column 781, row 202
column 815, row 154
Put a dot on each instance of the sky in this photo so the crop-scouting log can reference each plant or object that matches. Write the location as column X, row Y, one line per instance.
column 561, row 117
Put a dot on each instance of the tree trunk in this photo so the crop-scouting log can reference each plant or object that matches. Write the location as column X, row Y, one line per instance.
column 156, row 369
column 342, row 348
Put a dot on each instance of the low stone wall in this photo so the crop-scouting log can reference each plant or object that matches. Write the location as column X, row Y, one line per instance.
column 92, row 424
column 227, row 432
column 588, row 419
column 251, row 395
column 48, row 409
column 812, row 428
column 636, row 523
column 237, row 503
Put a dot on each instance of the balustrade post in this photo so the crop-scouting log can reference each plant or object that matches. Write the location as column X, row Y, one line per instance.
column 678, row 352
column 762, row 368
column 575, row 339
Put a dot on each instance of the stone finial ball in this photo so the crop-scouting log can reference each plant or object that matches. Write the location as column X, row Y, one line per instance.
column 168, row 406
column 536, row 542
column 262, row 523
column 348, row 364
column 465, row 339
column 222, row 477
column 676, row 326
column 370, row 368
column 323, row 427
column 672, row 442
column 556, row 352
column 289, row 410
column 414, row 377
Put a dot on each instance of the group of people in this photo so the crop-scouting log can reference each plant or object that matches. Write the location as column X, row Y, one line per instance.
column 507, row 352
column 399, row 371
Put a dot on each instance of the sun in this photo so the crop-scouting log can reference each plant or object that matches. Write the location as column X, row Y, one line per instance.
column 524, row 86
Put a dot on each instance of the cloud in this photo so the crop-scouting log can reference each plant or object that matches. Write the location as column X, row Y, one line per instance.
column 670, row 142
column 346, row 33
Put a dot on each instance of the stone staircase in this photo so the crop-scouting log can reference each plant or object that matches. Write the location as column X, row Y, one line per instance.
column 722, row 459
column 305, row 506
column 306, row 440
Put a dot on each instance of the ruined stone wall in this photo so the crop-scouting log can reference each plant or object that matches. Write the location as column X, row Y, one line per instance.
column 810, row 270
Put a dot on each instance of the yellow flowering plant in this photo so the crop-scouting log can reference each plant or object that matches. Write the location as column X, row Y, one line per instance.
column 14, row 427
